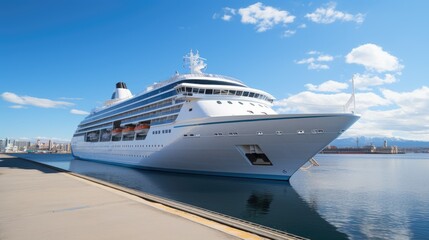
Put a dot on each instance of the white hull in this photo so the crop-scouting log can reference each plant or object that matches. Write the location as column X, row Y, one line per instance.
column 196, row 146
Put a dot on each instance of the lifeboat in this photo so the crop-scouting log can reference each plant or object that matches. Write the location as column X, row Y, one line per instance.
column 116, row 131
column 129, row 129
column 141, row 127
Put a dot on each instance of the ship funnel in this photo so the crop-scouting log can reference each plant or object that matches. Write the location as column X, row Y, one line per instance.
column 121, row 91
column 121, row 85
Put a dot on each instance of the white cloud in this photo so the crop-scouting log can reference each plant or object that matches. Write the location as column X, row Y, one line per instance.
column 70, row 98
column 78, row 112
column 227, row 14
column 226, row 17
column 328, row 86
column 289, row 33
column 374, row 58
column 33, row 101
column 317, row 66
column 328, row 15
column 17, row 106
column 325, row 58
column 391, row 114
column 306, row 60
column 416, row 101
column 264, row 17
column 307, row 102
column 409, row 119
column 365, row 81
column 315, row 63
column 313, row 52
column 302, row 25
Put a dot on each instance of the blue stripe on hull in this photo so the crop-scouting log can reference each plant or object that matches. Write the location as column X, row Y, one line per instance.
column 224, row 174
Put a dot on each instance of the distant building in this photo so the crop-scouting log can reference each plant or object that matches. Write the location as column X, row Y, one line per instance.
column 68, row 147
column 22, row 146
column 370, row 149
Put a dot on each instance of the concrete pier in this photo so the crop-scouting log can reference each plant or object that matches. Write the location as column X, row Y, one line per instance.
column 39, row 202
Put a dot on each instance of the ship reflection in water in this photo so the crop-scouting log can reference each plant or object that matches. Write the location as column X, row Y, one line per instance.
column 271, row 203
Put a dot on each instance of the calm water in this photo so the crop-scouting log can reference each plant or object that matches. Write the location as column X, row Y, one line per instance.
column 348, row 196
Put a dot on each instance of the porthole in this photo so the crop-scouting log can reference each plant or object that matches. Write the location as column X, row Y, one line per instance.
column 219, row 102
column 229, row 102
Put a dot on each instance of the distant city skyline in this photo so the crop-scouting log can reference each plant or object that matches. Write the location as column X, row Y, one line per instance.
column 61, row 59
column 10, row 145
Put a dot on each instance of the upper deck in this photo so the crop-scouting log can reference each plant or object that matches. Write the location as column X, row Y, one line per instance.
column 168, row 89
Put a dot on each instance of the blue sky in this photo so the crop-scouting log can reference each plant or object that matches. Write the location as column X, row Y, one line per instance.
column 59, row 59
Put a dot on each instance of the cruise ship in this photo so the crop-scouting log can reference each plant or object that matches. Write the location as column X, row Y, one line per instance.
column 204, row 124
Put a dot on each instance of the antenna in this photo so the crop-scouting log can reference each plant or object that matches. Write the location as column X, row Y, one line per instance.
column 194, row 62
column 352, row 98
column 353, row 93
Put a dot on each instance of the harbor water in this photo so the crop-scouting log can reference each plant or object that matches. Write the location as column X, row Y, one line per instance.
column 346, row 197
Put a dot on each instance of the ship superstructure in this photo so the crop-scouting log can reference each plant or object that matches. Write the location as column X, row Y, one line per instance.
column 207, row 124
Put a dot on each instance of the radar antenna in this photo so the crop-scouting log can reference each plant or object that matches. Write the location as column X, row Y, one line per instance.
column 194, row 62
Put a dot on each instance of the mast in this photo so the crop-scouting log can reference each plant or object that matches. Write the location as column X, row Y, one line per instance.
column 353, row 93
column 352, row 98
column 194, row 62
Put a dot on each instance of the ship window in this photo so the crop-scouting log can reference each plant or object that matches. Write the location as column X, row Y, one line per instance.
column 231, row 92
column 188, row 89
column 251, row 94
column 195, row 90
column 240, row 103
column 256, row 95
column 201, row 91
column 219, row 102
column 209, row 91
column 224, row 92
column 238, row 93
column 229, row 102
column 190, row 109
column 245, row 94
column 216, row 91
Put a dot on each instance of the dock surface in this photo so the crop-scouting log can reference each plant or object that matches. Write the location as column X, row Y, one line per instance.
column 38, row 202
